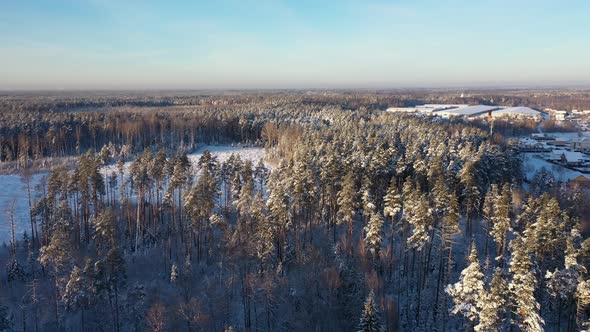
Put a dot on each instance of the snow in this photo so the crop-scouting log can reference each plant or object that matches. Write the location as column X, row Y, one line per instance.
column 532, row 163
column 516, row 111
column 568, row 135
column 468, row 111
column 14, row 188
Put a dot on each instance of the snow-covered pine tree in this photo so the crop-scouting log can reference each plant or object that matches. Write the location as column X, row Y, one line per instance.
column 57, row 256
column 492, row 304
column 347, row 202
column 545, row 235
column 467, row 292
column 371, row 318
column 374, row 234
column 278, row 222
column 80, row 291
column 501, row 223
column 562, row 284
column 522, row 288
column 392, row 208
column 583, row 300
column 471, row 192
column 174, row 273
column 420, row 218
column 392, row 200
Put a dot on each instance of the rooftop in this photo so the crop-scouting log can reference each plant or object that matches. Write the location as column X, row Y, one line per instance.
column 520, row 110
column 469, row 110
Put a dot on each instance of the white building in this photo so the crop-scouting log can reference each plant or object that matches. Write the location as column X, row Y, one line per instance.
column 559, row 115
column 581, row 144
column 424, row 109
column 402, row 110
column 518, row 112
column 469, row 111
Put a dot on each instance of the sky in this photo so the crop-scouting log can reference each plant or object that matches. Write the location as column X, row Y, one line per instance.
column 227, row 44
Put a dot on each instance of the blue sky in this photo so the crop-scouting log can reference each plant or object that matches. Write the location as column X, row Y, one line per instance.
column 151, row 44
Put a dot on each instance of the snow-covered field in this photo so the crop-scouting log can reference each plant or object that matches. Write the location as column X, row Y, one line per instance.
column 222, row 152
column 532, row 164
column 12, row 188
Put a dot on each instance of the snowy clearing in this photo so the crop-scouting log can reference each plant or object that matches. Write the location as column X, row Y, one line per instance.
column 13, row 188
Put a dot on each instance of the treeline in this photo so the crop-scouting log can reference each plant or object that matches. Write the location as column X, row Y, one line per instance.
column 32, row 136
column 33, row 126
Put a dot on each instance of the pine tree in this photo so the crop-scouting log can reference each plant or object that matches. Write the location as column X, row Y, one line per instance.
column 471, row 192
column 501, row 223
column 201, row 199
column 261, row 175
column 15, row 270
column 392, row 208
column 5, row 322
column 266, row 232
column 178, row 170
column 136, row 297
column 419, row 216
column 583, row 300
column 246, row 195
column 174, row 273
column 468, row 291
column 371, row 318
column 80, row 290
column 544, row 236
column 109, row 270
column 562, row 284
column 105, row 229
column 57, row 255
column 374, row 234
column 347, row 202
column 110, row 279
column 279, row 206
column 488, row 205
column 492, row 304
column 157, row 172
column 522, row 288
column 392, row 200
column 140, row 181
column 367, row 196
column 451, row 217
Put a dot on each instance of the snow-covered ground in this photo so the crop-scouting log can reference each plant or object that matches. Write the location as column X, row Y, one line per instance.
column 12, row 187
column 532, row 164
column 569, row 135
column 222, row 152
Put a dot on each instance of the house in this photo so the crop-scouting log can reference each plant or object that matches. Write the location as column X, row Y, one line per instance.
column 581, row 145
column 558, row 143
column 542, row 137
column 530, row 145
column 555, row 156
column 559, row 115
column 570, row 158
